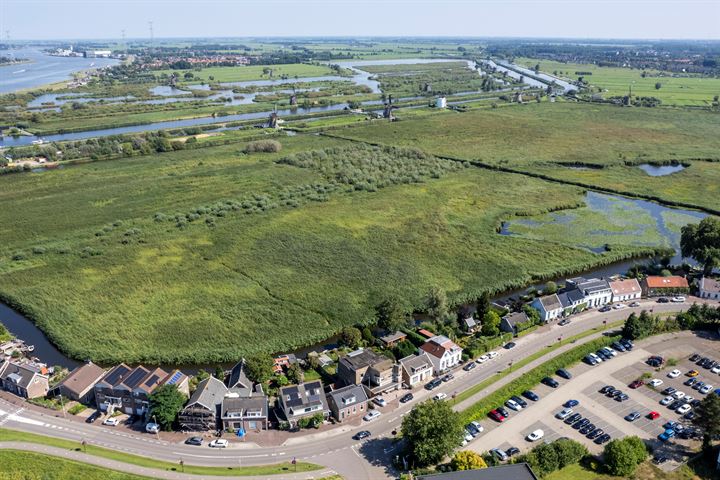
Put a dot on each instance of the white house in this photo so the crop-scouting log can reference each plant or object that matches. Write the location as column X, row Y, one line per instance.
column 709, row 288
column 443, row 352
column 597, row 292
column 623, row 290
column 416, row 369
column 549, row 306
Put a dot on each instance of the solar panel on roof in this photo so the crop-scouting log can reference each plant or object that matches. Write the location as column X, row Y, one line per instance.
column 174, row 378
column 152, row 380
column 135, row 377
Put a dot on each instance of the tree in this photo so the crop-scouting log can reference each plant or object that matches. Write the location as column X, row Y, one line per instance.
column 165, row 404
column 351, row 337
column 219, row 373
column 392, row 315
column 259, row 368
column 405, row 349
column 708, row 419
column 639, row 326
column 658, row 85
column 437, row 304
column 197, row 378
column 624, row 455
column 483, row 305
column 367, row 336
column 295, row 374
column 702, row 242
column 431, row 430
column 550, row 288
column 491, row 324
column 467, row 460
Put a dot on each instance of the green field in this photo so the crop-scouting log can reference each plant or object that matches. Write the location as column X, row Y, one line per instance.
column 615, row 81
column 15, row 464
column 254, row 72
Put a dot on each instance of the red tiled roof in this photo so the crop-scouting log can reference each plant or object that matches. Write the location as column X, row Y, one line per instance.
column 426, row 333
column 666, row 282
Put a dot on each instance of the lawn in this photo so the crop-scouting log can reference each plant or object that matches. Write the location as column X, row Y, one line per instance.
column 615, row 81
column 645, row 471
column 17, row 464
column 254, row 72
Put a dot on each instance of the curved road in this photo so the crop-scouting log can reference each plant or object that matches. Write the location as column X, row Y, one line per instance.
column 334, row 448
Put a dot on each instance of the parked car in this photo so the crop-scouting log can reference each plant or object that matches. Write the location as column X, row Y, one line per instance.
column 512, row 451
column 667, row 400
column 674, row 374
column 609, row 351
column 93, row 416
column 606, row 389
column 627, row 343
column 706, row 389
column 529, row 394
column 636, row 384
column 590, row 360
column 512, row 404
column 564, row 374
column 684, row 409
column 690, row 381
column 197, row 441
column 477, row 426
column 632, row 416
column 111, row 422
column 573, row 418
column 440, row 396
column 469, row 366
column 695, row 357
column 715, row 369
column 497, row 416
column 432, row 384
column 492, row 355
column 618, row 346
column 676, row 404
column 581, row 423
column 564, row 322
column 361, row 434
column 472, row 429
column 666, row 435
column 622, row 397
column 509, row 345
column 536, row 435
column 406, row 398
column 371, row 415
column 152, row 427
column 653, row 415
column 379, row 401
column 519, row 401
column 620, row 306
column 678, row 299
column 662, row 300
column 482, row 359
column 499, row 454
column 678, row 394
column 218, row 443
column 698, row 385
column 564, row 413
column 604, row 309
column 595, row 433
column 503, row 411
column 655, row 361
column 448, row 377
column 656, row 382
column 605, row 437
column 669, row 391
column 692, row 373
column 571, row 403
column 587, row 429
column 635, row 304
column 550, row 382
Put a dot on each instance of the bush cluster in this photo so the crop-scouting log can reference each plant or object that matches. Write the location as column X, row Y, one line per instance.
column 265, row 146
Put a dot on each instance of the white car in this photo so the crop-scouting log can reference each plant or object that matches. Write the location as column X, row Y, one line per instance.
column 667, row 400
column 619, row 306
column 684, row 409
column 152, row 427
column 678, row 395
column 218, row 443
column 596, row 357
column 379, row 401
column 112, row 422
column 514, row 405
column 716, row 369
column 655, row 382
column 706, row 389
column 482, row 359
column 536, row 435
column 371, row 415
column 678, row 299
column 564, row 413
column 477, row 425
column 688, row 398
column 675, row 373
column 609, row 351
column 492, row 355
column 440, row 396
column 468, row 436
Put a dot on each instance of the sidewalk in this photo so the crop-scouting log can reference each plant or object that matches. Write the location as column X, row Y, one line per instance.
column 150, row 472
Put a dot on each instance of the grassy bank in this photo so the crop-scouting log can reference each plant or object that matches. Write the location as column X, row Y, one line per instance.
column 7, row 435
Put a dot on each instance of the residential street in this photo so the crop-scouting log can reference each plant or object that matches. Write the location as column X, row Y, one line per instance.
column 334, row 449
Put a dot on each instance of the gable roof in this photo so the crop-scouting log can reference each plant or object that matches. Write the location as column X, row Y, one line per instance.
column 516, row 318
column 709, row 285
column 151, row 380
column 209, row 393
column 115, row 376
column 348, row 396
column 438, row 345
column 469, row 322
column 244, row 400
column 673, row 281
column 393, row 337
column 516, row 471
column 550, row 302
column 625, row 287
column 414, row 363
column 20, row 374
column 82, row 378
column 303, row 395
column 238, row 377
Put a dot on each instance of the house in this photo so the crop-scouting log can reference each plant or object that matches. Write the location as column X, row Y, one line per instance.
column 80, row 384
column 377, row 373
column 392, row 339
column 572, row 301
column 202, row 410
column 283, row 362
column 709, row 288
column 467, row 321
column 246, row 408
column 23, row 380
column 348, row 402
column 655, row 286
column 549, row 306
column 301, row 401
column 416, row 369
column 180, row 380
column 509, row 323
column 443, row 352
column 514, row 471
column 238, row 378
column 627, row 289
column 596, row 291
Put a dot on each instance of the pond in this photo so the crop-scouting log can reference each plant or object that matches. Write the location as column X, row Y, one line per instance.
column 661, row 170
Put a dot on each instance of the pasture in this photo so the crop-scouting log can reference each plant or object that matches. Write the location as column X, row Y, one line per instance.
column 253, row 72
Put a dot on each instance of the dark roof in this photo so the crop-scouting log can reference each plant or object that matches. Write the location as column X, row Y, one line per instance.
column 348, row 396
column 593, row 285
column 238, row 378
column 515, row 318
column 550, row 302
column 516, row 471
column 244, row 400
column 135, row 377
column 574, row 295
column 393, row 337
column 82, row 378
column 20, row 374
column 361, row 359
column 115, row 376
column 414, row 363
column 209, row 393
column 305, row 394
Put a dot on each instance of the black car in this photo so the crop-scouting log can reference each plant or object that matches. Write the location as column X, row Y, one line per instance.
column 469, row 366
column 698, row 385
column 512, row 451
column 669, row 391
column 690, row 415
column 530, row 395
column 361, row 434
column 603, row 438
column 602, row 354
column 519, row 400
column 550, row 382
column 676, row 404
column 604, row 309
column 595, row 433
column 701, row 361
column 95, row 415
column 690, row 382
column 587, row 429
column 564, row 374
column 622, row 397
column 659, row 459
column 406, row 398
column 509, row 345
column 433, row 384
column 627, row 344
column 503, row 411
column 564, row 322
column 695, row 402
column 590, row 360
column 618, row 346
column 197, row 441
column 448, row 377
column 694, row 357
column 606, row 389
column 663, row 300
column 573, row 418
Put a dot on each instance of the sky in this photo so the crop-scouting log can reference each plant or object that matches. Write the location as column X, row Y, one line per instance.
column 106, row 19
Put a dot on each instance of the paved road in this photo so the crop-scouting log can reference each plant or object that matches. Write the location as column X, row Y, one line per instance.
column 334, row 448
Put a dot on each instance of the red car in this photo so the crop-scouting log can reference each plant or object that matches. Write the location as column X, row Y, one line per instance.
column 637, row 384
column 497, row 416
column 653, row 415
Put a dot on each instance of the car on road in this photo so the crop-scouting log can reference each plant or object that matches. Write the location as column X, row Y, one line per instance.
column 432, row 384
column 530, row 395
column 218, row 443
column 509, row 345
column 706, row 389
column 448, row 377
column 361, row 434
column 482, row 359
column 619, row 306
column 683, row 409
column 667, row 400
column 499, row 454
column 663, row 300
column 406, row 398
column 666, row 435
column 655, row 382
column 563, row 322
column 512, row 451
column 692, row 373
column 604, row 309
column 550, row 382
column 561, row 372
column 94, row 416
column 379, row 401
column 469, row 366
column 632, row 416
column 111, row 422
column 678, row 299
column 152, row 427
column 564, row 413
column 497, row 416
column 197, row 441
column 440, row 396
column 653, row 415
column 371, row 415
column 635, row 304
column 536, row 435
column 636, row 384
column 674, row 374
column 571, row 403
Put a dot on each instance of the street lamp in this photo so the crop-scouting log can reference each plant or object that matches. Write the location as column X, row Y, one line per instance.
column 62, row 405
column 182, row 466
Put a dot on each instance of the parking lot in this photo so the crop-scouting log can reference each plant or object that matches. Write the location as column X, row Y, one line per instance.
column 607, row 413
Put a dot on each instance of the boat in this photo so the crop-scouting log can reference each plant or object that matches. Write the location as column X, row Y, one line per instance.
column 39, row 141
column 19, row 71
column 31, row 348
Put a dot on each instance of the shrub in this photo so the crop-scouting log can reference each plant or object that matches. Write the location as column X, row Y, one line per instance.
column 623, row 455
column 266, row 146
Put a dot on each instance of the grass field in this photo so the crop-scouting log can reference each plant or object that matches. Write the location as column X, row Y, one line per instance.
column 254, row 72
column 17, row 464
column 615, row 81
column 645, row 471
